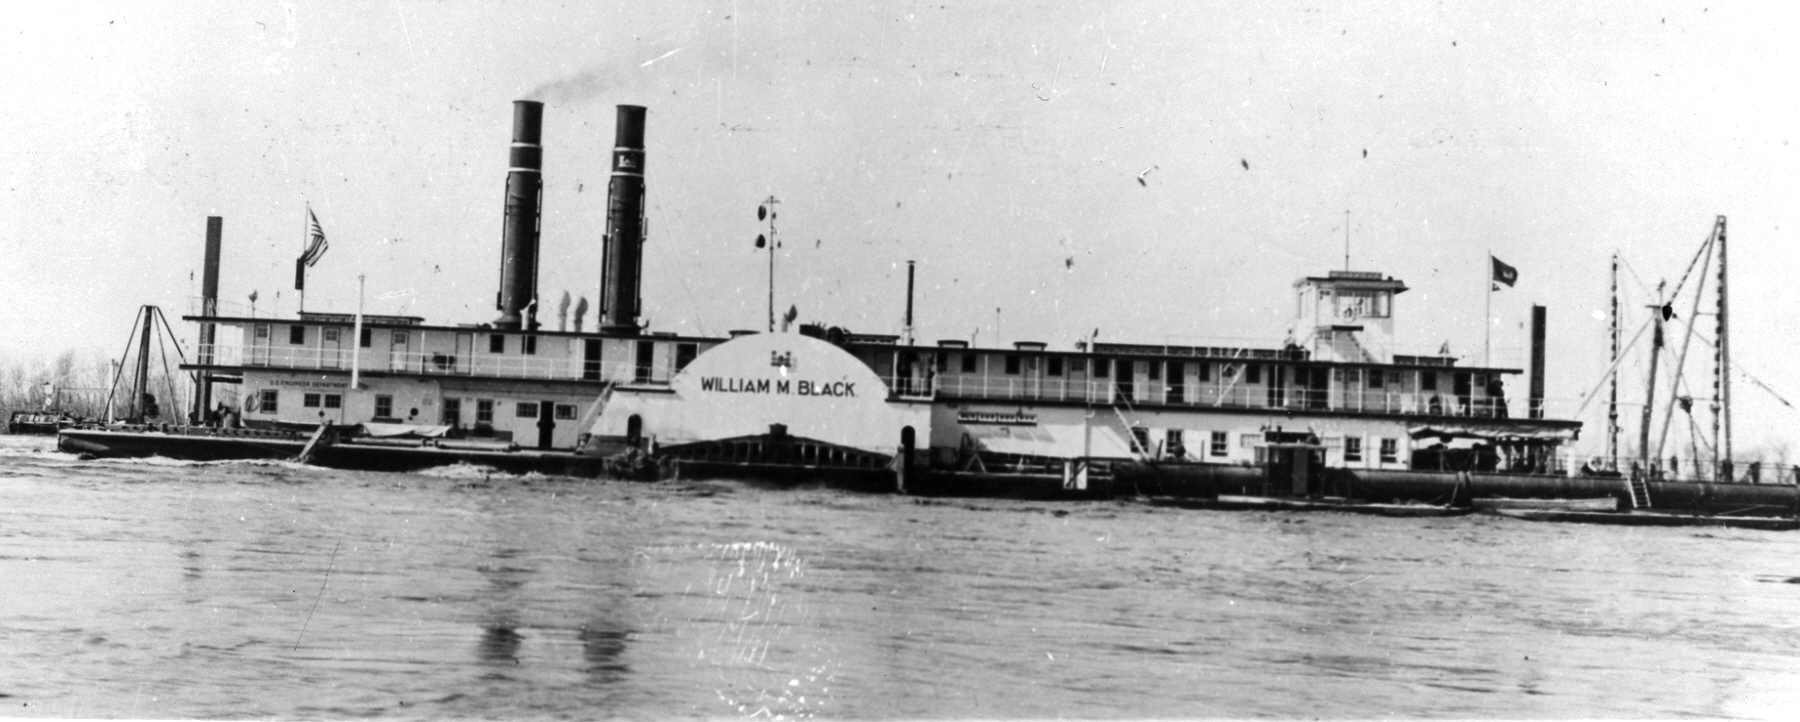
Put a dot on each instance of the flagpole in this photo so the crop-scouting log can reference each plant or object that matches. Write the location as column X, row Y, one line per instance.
column 305, row 230
column 1487, row 321
column 356, row 338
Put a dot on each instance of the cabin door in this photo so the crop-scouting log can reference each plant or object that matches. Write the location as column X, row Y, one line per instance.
column 331, row 348
column 1318, row 392
column 465, row 348
column 546, row 423
column 397, row 352
column 259, row 345
column 1462, row 387
column 590, row 359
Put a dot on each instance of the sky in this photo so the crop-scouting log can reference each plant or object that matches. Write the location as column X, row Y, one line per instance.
column 1158, row 172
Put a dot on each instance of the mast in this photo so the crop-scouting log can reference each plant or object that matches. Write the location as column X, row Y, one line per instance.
column 1612, row 400
column 1656, row 344
column 356, row 340
column 1346, row 239
column 1686, row 340
column 142, row 384
column 1722, row 359
column 1487, row 320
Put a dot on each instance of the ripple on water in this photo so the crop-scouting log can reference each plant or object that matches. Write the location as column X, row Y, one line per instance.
column 271, row 590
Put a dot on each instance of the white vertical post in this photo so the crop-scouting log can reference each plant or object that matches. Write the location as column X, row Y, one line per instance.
column 356, row 338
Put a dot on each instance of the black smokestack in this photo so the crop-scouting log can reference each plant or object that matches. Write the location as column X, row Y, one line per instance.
column 623, row 263
column 909, row 302
column 1536, row 397
column 519, row 232
column 209, row 306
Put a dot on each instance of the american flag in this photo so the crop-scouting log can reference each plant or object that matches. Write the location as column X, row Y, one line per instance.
column 315, row 249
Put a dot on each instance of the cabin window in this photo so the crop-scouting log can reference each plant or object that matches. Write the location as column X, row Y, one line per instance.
column 366, row 338
column 1390, row 451
column 484, row 411
column 310, row 401
column 297, row 335
column 1219, row 445
column 529, row 348
column 332, row 335
column 684, row 355
column 268, row 399
column 1428, row 381
column 1253, row 373
column 262, row 331
column 1172, row 444
column 968, row 363
column 452, row 415
column 1156, row 368
column 1102, row 368
column 1205, row 372
column 1352, row 378
column 1352, row 448
column 565, row 411
column 943, row 362
column 1012, row 364
column 525, row 409
column 384, row 406
column 1375, row 378
column 334, row 401
column 1054, row 366
column 400, row 339
column 496, row 343
column 1141, row 436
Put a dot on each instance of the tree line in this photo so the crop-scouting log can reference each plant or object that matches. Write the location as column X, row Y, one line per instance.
column 80, row 385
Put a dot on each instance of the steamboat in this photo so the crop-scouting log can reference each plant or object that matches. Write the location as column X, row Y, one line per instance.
column 1335, row 414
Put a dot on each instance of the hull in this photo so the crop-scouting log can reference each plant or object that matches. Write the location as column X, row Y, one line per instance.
column 1007, row 485
column 1654, row 519
column 1263, row 503
column 1600, row 504
column 780, row 476
column 238, row 445
column 1463, row 489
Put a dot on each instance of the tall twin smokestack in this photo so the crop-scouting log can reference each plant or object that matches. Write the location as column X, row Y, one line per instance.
column 622, row 262
column 622, row 267
column 519, row 232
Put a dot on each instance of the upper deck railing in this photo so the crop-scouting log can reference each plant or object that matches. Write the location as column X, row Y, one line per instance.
column 1212, row 395
column 432, row 363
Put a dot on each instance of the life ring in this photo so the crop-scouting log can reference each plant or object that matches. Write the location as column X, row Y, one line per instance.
column 250, row 403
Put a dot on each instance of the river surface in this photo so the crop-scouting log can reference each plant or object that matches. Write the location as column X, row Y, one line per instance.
column 158, row 589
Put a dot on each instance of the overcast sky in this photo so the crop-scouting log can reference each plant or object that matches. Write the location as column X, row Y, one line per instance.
column 999, row 144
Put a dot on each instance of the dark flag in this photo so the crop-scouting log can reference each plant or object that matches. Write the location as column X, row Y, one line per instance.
column 1504, row 273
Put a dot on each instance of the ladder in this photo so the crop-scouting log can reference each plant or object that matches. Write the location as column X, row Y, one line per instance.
column 1130, row 437
column 1638, row 489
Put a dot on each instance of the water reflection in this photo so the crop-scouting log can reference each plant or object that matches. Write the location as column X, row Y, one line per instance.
column 603, row 647
column 500, row 645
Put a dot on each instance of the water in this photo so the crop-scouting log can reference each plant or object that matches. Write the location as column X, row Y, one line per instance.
column 236, row 590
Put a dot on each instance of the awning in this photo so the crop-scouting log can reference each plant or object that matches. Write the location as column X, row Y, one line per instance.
column 1503, row 433
column 1062, row 441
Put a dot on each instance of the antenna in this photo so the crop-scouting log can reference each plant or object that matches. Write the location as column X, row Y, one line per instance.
column 1346, row 239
